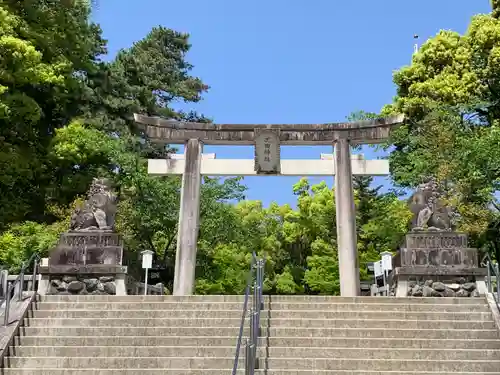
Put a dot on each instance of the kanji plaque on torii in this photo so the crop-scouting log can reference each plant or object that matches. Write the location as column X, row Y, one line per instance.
column 267, row 151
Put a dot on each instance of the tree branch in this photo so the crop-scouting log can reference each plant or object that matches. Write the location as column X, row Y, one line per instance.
column 497, row 207
column 167, row 246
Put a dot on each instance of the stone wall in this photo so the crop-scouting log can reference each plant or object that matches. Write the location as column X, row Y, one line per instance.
column 82, row 284
column 429, row 288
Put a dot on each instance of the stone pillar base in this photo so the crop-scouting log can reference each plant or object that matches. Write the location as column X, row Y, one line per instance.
column 482, row 289
column 43, row 285
column 402, row 288
column 121, row 288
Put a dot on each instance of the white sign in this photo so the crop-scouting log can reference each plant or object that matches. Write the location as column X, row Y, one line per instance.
column 378, row 268
column 267, row 151
column 147, row 259
column 386, row 261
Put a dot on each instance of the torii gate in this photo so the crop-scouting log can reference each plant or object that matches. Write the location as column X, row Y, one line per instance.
column 267, row 140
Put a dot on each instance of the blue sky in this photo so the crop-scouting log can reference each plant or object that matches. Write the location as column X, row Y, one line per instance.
column 289, row 61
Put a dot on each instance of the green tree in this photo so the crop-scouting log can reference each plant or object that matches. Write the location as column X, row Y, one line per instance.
column 450, row 94
column 46, row 48
column 145, row 78
column 20, row 241
column 78, row 123
column 149, row 206
column 51, row 74
column 382, row 220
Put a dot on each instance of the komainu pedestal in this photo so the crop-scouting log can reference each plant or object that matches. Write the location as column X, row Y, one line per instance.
column 435, row 260
column 437, row 264
column 85, row 263
column 88, row 258
column 440, row 250
column 87, row 248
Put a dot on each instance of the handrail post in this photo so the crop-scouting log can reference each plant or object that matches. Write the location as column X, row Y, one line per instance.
column 256, row 306
column 33, row 280
column 16, row 288
column 251, row 358
column 258, row 285
column 262, row 265
column 497, row 279
column 248, row 356
column 5, row 283
column 488, row 277
column 252, row 331
column 254, row 317
column 21, row 285
column 7, row 307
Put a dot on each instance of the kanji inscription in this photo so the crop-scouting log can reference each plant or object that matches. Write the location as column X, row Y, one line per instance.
column 267, row 151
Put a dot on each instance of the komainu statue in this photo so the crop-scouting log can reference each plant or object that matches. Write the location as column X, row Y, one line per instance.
column 99, row 210
column 429, row 211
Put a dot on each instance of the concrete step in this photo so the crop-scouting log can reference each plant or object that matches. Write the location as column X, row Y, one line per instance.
column 122, row 363
column 235, row 322
column 339, row 342
column 332, row 364
column 273, row 352
column 335, row 364
column 290, row 314
column 330, row 306
column 281, row 298
column 420, row 333
column 161, row 371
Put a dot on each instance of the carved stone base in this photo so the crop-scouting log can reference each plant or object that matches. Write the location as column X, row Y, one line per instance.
column 85, row 262
column 437, row 249
column 87, row 247
column 435, row 240
column 437, row 264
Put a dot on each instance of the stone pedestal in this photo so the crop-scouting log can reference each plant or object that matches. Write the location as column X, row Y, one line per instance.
column 437, row 264
column 86, row 262
column 83, row 248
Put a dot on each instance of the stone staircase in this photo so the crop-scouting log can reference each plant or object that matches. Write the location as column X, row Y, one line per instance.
column 301, row 335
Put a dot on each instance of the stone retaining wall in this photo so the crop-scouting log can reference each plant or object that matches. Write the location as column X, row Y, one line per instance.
column 81, row 284
column 430, row 288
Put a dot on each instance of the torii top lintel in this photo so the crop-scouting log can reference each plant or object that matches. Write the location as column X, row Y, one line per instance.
column 360, row 132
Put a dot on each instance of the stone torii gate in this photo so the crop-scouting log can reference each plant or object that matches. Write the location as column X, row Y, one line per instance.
column 267, row 140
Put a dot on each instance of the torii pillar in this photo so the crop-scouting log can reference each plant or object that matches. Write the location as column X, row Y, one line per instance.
column 346, row 220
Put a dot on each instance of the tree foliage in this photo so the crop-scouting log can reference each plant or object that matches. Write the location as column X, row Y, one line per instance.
column 46, row 47
column 300, row 244
column 450, row 95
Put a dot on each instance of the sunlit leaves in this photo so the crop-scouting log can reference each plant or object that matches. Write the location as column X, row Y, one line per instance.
column 451, row 97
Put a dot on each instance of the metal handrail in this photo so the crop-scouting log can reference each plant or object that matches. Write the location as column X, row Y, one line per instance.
column 35, row 258
column 492, row 267
column 255, row 277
